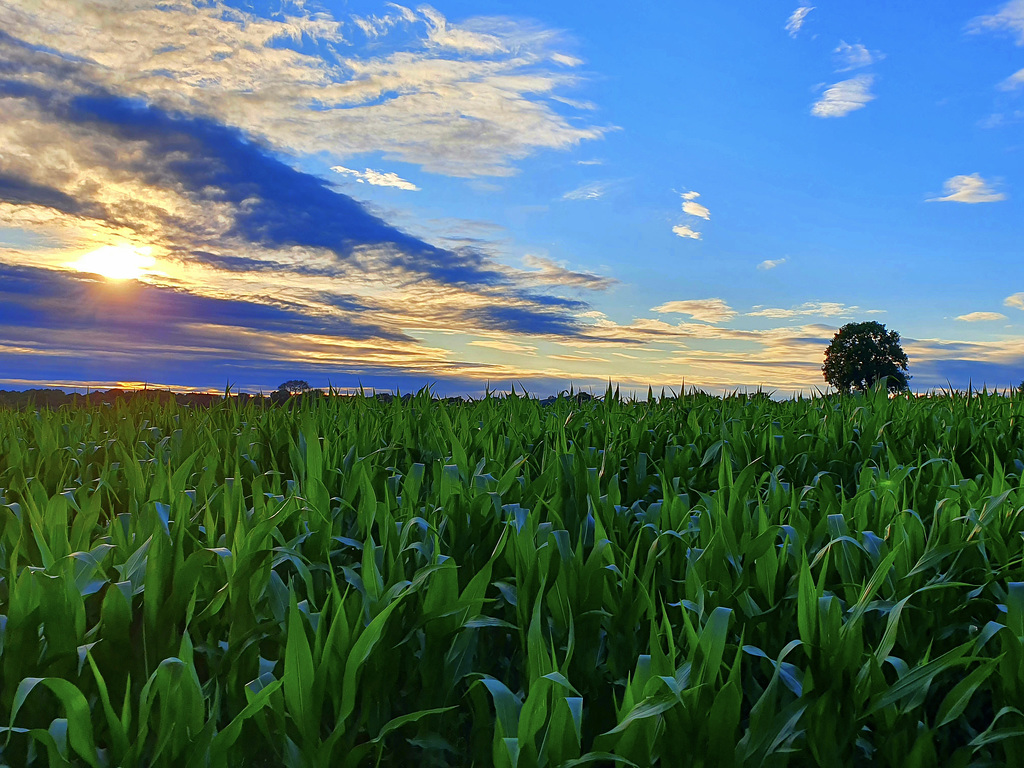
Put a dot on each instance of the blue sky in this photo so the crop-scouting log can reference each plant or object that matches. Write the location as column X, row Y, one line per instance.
column 470, row 194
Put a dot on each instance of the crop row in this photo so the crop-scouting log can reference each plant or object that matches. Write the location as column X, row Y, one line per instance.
column 685, row 581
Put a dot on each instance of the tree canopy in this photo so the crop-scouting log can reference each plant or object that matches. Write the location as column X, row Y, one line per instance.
column 295, row 386
column 862, row 354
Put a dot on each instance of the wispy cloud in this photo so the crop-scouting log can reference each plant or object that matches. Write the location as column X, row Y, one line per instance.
column 844, row 97
column 705, row 310
column 978, row 317
column 591, row 191
column 547, row 272
column 1009, row 18
column 818, row 308
column 968, row 189
column 856, row 56
column 505, row 346
column 1014, row 81
column 684, row 231
column 796, row 19
column 1016, row 301
column 590, row 162
column 771, row 263
column 377, row 178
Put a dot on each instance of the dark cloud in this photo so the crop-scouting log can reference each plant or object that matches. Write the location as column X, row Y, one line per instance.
column 271, row 204
column 939, row 374
column 521, row 319
column 42, row 300
column 24, row 192
column 274, row 204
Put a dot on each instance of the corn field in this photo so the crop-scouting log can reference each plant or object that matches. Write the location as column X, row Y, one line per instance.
column 678, row 581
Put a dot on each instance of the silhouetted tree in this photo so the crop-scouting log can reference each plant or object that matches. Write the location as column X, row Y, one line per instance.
column 295, row 387
column 862, row 354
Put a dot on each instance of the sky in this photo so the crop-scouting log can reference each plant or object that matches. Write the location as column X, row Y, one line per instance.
column 465, row 196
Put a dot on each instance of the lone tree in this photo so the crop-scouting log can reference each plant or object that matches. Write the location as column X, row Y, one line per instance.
column 862, row 354
column 294, row 387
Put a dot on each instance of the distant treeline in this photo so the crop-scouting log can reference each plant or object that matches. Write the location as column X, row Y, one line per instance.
column 55, row 398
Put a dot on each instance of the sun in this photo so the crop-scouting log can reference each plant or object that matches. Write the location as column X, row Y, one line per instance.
column 117, row 262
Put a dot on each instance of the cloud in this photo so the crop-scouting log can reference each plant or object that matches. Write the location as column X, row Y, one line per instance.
column 705, row 310
column 693, row 208
column 377, row 178
column 590, row 162
column 592, row 191
column 547, row 272
column 696, row 209
column 819, row 308
column 464, row 100
column 796, row 19
column 1009, row 18
column 505, row 346
column 977, row 317
column 684, row 231
column 579, row 358
column 771, row 263
column 1016, row 301
column 849, row 57
column 1014, row 81
column 968, row 189
column 844, row 97
column 223, row 215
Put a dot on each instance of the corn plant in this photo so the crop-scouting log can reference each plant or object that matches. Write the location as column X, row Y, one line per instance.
column 684, row 580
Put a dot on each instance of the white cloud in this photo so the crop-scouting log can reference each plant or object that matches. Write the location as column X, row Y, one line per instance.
column 819, row 308
column 854, row 56
column 693, row 208
column 591, row 191
column 771, row 263
column 696, row 209
column 459, row 39
column 377, row 178
column 590, row 162
column 1014, row 81
column 977, row 317
column 684, row 231
column 464, row 99
column 796, row 19
column 565, row 60
column 705, row 310
column 844, row 97
column 1010, row 18
column 1016, row 300
column 968, row 189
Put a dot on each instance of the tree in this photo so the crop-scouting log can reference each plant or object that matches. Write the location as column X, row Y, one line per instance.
column 294, row 387
column 862, row 354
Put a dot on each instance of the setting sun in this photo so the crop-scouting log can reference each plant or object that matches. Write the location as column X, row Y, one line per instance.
column 118, row 262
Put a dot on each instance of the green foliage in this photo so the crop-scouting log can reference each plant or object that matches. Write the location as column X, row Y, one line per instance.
column 350, row 582
column 862, row 355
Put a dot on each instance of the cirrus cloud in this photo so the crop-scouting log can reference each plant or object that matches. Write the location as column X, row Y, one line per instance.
column 844, row 97
column 797, row 18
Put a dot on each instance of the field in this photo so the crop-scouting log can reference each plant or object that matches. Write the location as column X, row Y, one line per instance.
column 678, row 581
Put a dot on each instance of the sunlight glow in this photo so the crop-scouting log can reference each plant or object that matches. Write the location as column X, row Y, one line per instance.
column 117, row 262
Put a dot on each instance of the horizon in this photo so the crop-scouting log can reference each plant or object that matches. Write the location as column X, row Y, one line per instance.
column 465, row 195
